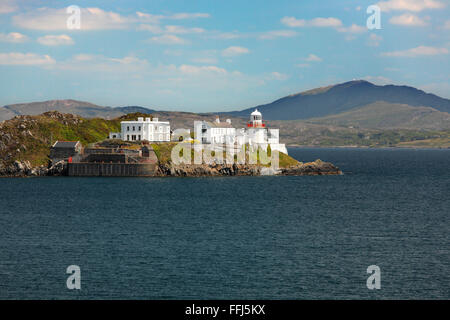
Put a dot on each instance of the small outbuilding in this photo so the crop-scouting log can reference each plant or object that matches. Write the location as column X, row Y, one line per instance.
column 63, row 150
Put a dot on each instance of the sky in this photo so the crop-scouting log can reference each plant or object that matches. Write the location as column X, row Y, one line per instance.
column 216, row 55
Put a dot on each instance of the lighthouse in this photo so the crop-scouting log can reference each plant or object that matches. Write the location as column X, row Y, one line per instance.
column 256, row 128
column 256, row 120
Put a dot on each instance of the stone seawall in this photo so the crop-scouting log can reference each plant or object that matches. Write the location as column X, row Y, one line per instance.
column 111, row 169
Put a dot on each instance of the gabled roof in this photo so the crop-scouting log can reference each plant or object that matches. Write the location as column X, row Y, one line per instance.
column 65, row 144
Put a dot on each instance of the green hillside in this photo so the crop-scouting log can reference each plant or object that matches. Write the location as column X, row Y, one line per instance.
column 30, row 137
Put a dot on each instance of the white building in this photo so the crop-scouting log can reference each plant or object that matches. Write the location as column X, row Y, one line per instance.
column 143, row 129
column 256, row 133
column 214, row 132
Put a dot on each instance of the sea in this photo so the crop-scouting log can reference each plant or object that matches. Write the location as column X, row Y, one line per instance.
column 268, row 237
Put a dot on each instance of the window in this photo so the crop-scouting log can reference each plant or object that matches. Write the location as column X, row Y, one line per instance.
column 139, row 129
column 134, row 128
column 128, row 137
column 139, row 137
column 128, row 128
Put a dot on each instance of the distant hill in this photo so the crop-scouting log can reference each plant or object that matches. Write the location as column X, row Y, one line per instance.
column 81, row 108
column 383, row 115
column 343, row 97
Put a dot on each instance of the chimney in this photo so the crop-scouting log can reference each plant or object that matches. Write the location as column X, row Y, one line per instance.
column 155, row 119
column 148, row 119
column 140, row 119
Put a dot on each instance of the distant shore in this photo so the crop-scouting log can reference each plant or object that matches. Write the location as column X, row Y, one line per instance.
column 366, row 147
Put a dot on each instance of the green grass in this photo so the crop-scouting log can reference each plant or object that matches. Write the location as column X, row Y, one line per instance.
column 163, row 152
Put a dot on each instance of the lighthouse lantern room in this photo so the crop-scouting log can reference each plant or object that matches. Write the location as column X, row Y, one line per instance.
column 256, row 120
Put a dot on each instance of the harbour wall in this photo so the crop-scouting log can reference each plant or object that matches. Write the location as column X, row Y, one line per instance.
column 111, row 169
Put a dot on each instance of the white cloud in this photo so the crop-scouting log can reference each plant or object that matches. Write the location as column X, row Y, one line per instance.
column 184, row 15
column 270, row 35
column 227, row 35
column 374, row 40
column 153, row 28
column 92, row 63
column 354, row 28
column 408, row 19
column 410, row 5
column 195, row 70
column 13, row 37
column 94, row 19
column 56, row 19
column 147, row 17
column 316, row 22
column 28, row 59
column 313, row 58
column 7, row 6
column 54, row 40
column 293, row 22
column 234, row 51
column 325, row 22
column 416, row 52
column 168, row 39
column 277, row 76
column 169, row 29
column 183, row 30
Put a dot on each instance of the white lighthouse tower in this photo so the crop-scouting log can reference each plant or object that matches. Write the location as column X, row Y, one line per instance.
column 256, row 128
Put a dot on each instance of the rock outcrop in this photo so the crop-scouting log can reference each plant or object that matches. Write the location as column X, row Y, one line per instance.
column 199, row 170
column 317, row 167
column 24, row 169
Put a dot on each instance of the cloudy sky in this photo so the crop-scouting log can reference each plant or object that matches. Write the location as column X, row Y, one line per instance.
column 204, row 55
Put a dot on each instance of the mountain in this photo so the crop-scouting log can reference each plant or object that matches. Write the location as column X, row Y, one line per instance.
column 343, row 97
column 385, row 116
column 134, row 109
column 81, row 108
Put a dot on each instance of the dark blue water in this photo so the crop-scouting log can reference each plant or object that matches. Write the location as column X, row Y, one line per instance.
column 235, row 237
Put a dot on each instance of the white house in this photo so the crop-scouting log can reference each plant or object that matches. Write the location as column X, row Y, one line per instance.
column 214, row 132
column 143, row 129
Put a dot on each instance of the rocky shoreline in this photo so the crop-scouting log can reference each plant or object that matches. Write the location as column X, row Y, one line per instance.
column 25, row 169
column 318, row 167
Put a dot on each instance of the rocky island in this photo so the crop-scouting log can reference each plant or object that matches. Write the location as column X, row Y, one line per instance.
column 25, row 143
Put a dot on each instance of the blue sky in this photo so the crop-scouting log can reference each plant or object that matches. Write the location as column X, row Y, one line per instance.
column 204, row 55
